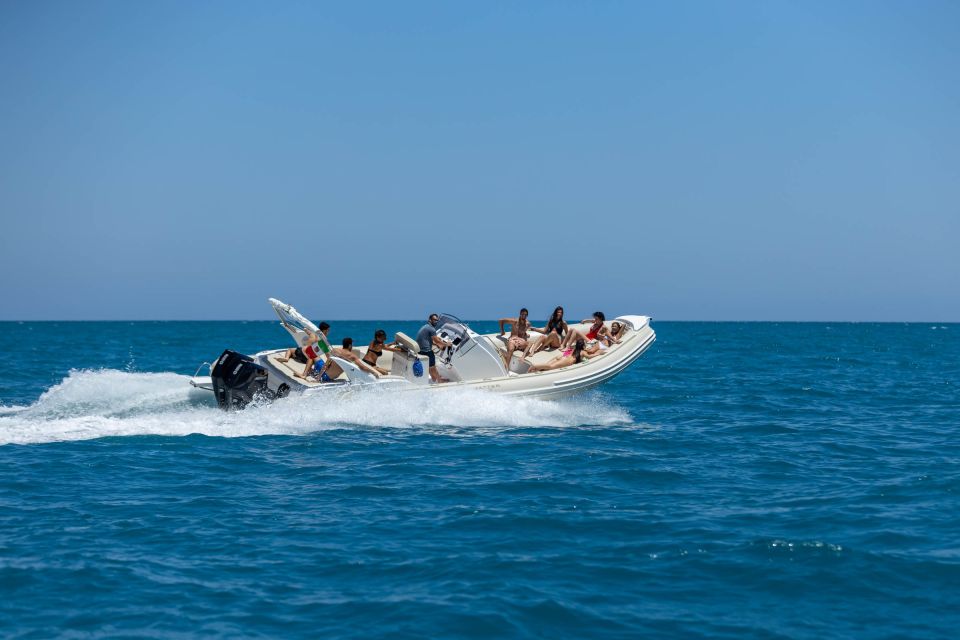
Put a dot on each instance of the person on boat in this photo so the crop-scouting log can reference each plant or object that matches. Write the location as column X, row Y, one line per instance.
column 604, row 342
column 552, row 334
column 595, row 332
column 309, row 354
column 331, row 370
column 569, row 356
column 519, row 335
column 617, row 330
column 376, row 348
column 426, row 339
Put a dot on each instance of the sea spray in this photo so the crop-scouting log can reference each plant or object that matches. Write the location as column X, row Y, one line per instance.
column 103, row 403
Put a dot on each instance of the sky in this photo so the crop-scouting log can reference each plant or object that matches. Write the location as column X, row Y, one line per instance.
column 684, row 160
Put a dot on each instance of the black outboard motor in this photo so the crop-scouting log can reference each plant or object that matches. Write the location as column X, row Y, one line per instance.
column 238, row 381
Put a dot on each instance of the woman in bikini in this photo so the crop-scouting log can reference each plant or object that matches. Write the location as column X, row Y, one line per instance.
column 376, row 348
column 552, row 334
column 572, row 355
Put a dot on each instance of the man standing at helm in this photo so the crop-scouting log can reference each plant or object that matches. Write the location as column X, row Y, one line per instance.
column 426, row 339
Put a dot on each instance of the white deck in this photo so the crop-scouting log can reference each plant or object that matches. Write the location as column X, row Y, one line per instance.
column 292, row 368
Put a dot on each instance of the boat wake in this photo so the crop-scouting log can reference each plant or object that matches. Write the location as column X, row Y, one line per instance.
column 105, row 403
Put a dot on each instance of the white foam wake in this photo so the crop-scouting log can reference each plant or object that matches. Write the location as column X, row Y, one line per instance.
column 97, row 404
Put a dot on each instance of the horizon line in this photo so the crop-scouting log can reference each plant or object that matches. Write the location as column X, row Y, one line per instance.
column 652, row 320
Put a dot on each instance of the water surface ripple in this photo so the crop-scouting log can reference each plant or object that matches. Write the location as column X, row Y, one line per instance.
column 752, row 480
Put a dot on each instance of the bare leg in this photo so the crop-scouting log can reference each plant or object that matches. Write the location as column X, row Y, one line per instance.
column 572, row 338
column 549, row 340
column 511, row 347
column 533, row 346
column 541, row 367
column 556, row 363
column 286, row 356
column 309, row 366
column 509, row 355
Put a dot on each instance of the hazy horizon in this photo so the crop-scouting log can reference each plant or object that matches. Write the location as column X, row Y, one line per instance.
column 471, row 320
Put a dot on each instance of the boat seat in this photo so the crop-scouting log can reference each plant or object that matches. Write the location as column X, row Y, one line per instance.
column 544, row 356
column 500, row 343
column 294, row 368
column 352, row 371
column 406, row 342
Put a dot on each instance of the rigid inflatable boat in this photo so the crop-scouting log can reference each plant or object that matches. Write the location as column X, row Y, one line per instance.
column 474, row 361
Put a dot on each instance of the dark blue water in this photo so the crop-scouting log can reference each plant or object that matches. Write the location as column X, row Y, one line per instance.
column 739, row 480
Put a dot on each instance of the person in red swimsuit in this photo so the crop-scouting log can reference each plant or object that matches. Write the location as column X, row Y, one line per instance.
column 596, row 331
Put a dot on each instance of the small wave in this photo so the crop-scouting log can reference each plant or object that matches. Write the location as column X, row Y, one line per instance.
column 97, row 404
column 9, row 411
column 817, row 547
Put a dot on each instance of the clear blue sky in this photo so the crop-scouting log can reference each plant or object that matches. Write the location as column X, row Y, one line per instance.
column 685, row 160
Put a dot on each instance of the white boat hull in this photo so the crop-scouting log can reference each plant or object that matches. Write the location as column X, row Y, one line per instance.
column 476, row 354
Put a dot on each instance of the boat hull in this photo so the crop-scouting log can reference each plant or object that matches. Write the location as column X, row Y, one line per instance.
column 550, row 384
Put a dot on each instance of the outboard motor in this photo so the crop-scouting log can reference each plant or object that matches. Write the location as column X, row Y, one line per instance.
column 238, row 381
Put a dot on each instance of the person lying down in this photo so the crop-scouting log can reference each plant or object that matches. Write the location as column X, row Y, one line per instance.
column 569, row 356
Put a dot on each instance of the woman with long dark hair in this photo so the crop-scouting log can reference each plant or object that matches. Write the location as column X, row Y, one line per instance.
column 552, row 334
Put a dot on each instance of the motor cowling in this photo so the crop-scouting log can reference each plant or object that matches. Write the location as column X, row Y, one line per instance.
column 238, row 381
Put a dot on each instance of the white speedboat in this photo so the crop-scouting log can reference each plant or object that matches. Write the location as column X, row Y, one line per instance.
column 475, row 361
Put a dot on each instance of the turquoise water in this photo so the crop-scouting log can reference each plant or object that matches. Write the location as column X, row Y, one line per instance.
column 740, row 480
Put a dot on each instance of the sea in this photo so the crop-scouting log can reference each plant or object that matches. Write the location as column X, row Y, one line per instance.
column 740, row 480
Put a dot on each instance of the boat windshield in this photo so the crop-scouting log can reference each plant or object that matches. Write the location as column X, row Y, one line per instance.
column 452, row 329
column 446, row 318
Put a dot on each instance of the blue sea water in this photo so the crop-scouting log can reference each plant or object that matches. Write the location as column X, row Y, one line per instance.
column 741, row 480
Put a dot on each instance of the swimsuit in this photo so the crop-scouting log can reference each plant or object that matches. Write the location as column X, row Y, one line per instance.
column 558, row 328
column 519, row 341
column 314, row 349
column 594, row 332
column 318, row 368
column 377, row 355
